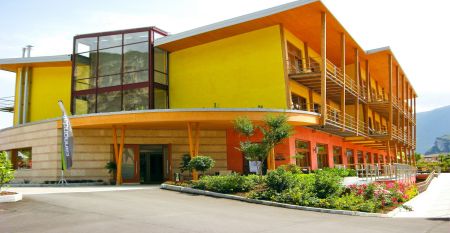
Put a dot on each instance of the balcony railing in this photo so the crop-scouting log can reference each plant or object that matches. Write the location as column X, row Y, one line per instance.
column 336, row 118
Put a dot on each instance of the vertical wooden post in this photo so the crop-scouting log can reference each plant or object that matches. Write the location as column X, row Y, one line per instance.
column 344, row 86
column 390, row 96
column 286, row 69
column 193, row 145
column 311, row 100
column 116, row 148
column 368, row 81
column 323, row 74
column 307, row 62
column 120, row 156
column 388, row 151
column 366, row 116
column 358, row 91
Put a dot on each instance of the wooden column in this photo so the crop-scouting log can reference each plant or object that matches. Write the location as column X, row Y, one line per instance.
column 323, row 74
column 344, row 87
column 366, row 107
column 194, row 142
column 388, row 146
column 358, row 91
column 395, row 152
column 307, row 62
column 118, row 153
column 390, row 96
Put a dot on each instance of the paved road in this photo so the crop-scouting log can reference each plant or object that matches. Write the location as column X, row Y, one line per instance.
column 155, row 210
column 435, row 202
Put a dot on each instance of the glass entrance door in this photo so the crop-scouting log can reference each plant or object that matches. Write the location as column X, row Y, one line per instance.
column 151, row 159
column 130, row 168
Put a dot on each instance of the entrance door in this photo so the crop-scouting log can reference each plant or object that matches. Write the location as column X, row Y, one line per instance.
column 130, row 168
column 151, row 164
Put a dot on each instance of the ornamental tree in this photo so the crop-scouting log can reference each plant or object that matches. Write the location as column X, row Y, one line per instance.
column 201, row 163
column 273, row 130
column 6, row 170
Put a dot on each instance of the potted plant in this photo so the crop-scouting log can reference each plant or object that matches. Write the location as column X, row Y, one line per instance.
column 6, row 175
column 111, row 166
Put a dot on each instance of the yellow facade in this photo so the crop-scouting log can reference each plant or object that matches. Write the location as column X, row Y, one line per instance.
column 48, row 85
column 243, row 71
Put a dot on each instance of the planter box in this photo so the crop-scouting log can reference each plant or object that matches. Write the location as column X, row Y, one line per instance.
column 11, row 198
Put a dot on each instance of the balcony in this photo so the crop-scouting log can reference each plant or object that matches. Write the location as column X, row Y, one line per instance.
column 308, row 72
column 7, row 104
column 335, row 124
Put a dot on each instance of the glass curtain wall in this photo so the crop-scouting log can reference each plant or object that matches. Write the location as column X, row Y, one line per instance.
column 119, row 71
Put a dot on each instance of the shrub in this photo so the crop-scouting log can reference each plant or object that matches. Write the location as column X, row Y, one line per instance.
column 292, row 168
column 327, row 184
column 354, row 202
column 338, row 171
column 6, row 171
column 280, row 180
column 201, row 163
column 232, row 183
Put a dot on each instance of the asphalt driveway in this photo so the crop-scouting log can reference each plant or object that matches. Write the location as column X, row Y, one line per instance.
column 155, row 210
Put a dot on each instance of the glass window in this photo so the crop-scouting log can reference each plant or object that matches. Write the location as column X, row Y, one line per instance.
column 110, row 41
column 322, row 155
column 135, row 57
column 160, row 57
column 110, row 61
column 22, row 158
column 368, row 158
column 86, row 65
column 160, row 77
column 360, row 157
column 337, row 155
column 350, row 157
column 302, row 153
column 136, row 37
column 298, row 102
column 85, row 44
column 109, row 101
column 108, row 81
column 135, row 99
column 161, row 99
column 135, row 77
column 85, row 84
column 85, row 104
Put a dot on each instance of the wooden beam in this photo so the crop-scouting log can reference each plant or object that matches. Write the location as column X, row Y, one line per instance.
column 116, row 147
column 285, row 67
column 305, row 48
column 358, row 89
column 311, row 100
column 193, row 145
column 390, row 96
column 343, row 87
column 368, row 84
column 323, row 67
column 119, row 180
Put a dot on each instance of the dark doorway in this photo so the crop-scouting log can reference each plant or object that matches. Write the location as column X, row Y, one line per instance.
column 151, row 158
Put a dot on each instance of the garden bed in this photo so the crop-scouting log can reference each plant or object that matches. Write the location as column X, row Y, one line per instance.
column 6, row 196
column 288, row 187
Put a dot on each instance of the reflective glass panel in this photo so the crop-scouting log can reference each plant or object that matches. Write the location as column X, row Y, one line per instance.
column 135, row 99
column 84, row 104
column 85, row 44
column 135, row 77
column 160, row 57
column 161, row 100
column 110, row 61
column 130, row 38
column 109, row 101
column 84, row 84
column 110, row 41
column 108, row 81
column 135, row 57
column 160, row 77
column 86, row 65
column 128, row 163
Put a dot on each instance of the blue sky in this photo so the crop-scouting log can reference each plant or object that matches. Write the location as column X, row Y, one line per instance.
column 414, row 30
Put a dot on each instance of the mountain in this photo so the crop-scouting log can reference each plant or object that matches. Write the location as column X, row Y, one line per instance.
column 441, row 146
column 430, row 126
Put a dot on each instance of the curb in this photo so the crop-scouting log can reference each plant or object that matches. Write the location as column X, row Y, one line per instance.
column 59, row 185
column 270, row 203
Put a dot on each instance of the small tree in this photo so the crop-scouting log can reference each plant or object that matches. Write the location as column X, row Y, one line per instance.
column 274, row 130
column 184, row 165
column 6, row 171
column 202, row 163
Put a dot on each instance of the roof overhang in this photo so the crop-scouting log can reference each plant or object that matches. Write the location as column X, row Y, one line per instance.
column 12, row 64
column 178, row 118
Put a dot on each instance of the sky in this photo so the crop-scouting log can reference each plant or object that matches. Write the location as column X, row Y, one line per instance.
column 415, row 30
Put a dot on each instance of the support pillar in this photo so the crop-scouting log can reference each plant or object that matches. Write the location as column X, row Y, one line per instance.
column 323, row 68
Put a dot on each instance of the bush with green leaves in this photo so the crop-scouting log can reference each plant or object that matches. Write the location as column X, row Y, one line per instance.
column 232, row 183
column 327, row 184
column 6, row 170
column 201, row 163
column 342, row 172
column 280, row 180
column 350, row 201
column 292, row 168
